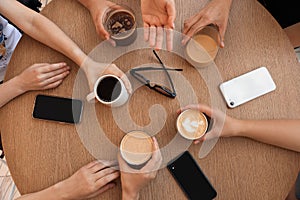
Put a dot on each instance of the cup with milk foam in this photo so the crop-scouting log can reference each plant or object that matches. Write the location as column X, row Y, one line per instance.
column 192, row 124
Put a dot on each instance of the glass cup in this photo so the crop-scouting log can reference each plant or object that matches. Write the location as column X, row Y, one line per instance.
column 203, row 47
column 120, row 22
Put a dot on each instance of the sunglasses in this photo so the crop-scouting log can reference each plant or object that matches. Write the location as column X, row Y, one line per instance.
column 154, row 86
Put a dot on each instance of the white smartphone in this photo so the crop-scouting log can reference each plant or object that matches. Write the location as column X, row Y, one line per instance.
column 246, row 87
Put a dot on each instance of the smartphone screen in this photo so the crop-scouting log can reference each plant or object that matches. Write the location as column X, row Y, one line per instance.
column 246, row 87
column 191, row 179
column 57, row 109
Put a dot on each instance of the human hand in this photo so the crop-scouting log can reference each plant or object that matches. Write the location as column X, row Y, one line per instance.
column 42, row 76
column 89, row 181
column 223, row 125
column 158, row 14
column 134, row 180
column 97, row 10
column 215, row 12
column 94, row 70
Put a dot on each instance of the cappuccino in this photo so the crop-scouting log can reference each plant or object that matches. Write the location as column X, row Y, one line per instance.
column 136, row 148
column 192, row 124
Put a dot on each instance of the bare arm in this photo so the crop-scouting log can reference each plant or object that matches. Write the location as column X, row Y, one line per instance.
column 41, row 29
column 282, row 133
column 89, row 181
column 36, row 77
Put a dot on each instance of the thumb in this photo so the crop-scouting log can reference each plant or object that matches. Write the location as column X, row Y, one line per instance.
column 102, row 32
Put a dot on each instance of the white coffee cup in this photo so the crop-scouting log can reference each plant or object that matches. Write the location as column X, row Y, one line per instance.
column 109, row 90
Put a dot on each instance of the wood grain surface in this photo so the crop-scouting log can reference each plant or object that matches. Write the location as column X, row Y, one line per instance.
column 40, row 153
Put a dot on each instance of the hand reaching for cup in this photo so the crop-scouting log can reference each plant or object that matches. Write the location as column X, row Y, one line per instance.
column 94, row 70
column 158, row 14
column 223, row 125
column 97, row 9
column 215, row 12
column 134, row 180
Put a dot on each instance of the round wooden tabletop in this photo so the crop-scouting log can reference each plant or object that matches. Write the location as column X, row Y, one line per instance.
column 40, row 153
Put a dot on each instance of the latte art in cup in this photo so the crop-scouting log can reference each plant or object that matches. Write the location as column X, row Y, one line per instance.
column 136, row 148
column 192, row 124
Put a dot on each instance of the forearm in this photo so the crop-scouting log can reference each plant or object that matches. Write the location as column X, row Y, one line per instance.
column 41, row 29
column 46, row 194
column 282, row 133
column 9, row 90
column 89, row 3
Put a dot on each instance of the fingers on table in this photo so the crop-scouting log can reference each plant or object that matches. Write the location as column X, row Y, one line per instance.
column 107, row 178
column 51, row 75
column 98, row 165
column 103, row 173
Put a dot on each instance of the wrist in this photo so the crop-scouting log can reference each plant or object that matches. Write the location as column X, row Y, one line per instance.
column 60, row 192
column 241, row 128
column 17, row 83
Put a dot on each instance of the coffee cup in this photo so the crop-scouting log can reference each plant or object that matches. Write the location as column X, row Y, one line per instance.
column 120, row 23
column 203, row 47
column 192, row 124
column 109, row 90
column 136, row 149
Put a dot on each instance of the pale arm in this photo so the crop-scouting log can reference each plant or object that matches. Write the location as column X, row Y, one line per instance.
column 282, row 133
column 89, row 181
column 7, row 93
column 36, row 77
column 41, row 29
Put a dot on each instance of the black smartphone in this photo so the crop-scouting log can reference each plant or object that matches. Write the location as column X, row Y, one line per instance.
column 190, row 178
column 57, row 109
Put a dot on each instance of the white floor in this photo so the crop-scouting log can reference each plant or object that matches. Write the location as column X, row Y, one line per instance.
column 8, row 190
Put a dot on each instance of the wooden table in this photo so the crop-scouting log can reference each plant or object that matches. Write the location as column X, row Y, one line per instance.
column 41, row 153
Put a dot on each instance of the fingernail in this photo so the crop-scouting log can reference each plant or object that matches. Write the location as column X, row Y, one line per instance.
column 222, row 44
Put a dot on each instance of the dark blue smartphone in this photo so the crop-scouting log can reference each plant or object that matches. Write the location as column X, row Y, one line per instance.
column 57, row 109
column 190, row 178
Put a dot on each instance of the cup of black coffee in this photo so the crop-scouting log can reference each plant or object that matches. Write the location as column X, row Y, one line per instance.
column 109, row 90
column 120, row 22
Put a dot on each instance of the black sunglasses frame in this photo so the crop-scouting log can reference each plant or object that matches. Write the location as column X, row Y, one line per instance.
column 158, row 88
